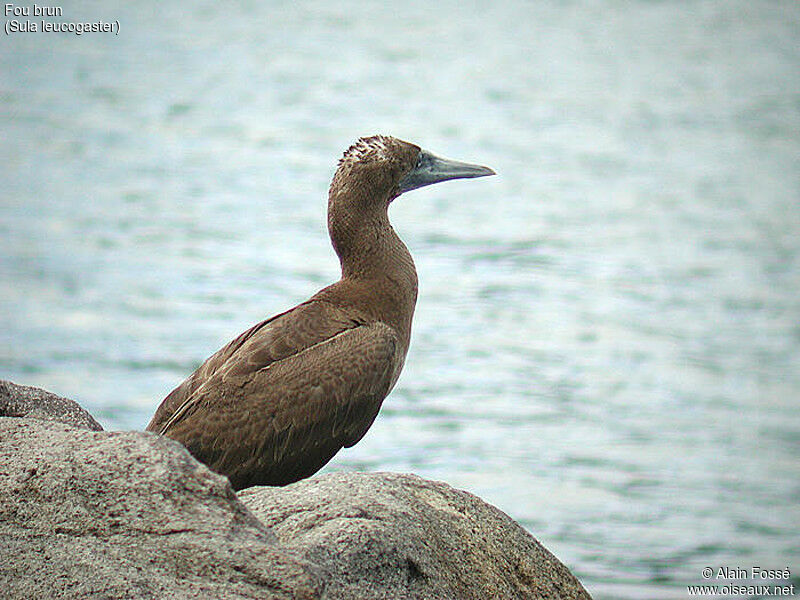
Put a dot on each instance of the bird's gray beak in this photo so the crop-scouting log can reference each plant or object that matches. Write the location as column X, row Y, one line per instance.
column 433, row 169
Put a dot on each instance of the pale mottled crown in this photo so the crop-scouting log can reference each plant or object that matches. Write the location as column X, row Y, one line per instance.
column 373, row 165
column 376, row 147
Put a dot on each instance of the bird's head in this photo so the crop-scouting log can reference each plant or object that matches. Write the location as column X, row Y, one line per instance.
column 377, row 169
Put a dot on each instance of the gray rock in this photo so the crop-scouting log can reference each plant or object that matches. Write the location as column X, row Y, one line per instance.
column 88, row 514
column 24, row 401
column 111, row 515
column 390, row 535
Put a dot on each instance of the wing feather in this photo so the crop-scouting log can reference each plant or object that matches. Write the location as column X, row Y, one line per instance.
column 266, row 342
column 286, row 400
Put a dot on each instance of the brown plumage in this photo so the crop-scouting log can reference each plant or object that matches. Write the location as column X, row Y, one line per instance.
column 279, row 401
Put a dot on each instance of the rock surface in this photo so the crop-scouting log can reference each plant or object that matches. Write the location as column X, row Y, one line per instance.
column 95, row 514
column 25, row 401
column 87, row 514
column 391, row 535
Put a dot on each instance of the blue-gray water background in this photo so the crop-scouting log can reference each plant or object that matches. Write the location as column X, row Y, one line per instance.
column 607, row 338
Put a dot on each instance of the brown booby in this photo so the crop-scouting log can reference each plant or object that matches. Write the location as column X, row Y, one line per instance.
column 278, row 402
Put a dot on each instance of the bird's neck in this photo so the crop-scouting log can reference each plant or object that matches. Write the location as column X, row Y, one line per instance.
column 375, row 259
column 368, row 246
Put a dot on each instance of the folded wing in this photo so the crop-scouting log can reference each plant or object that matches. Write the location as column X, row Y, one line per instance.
column 275, row 404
